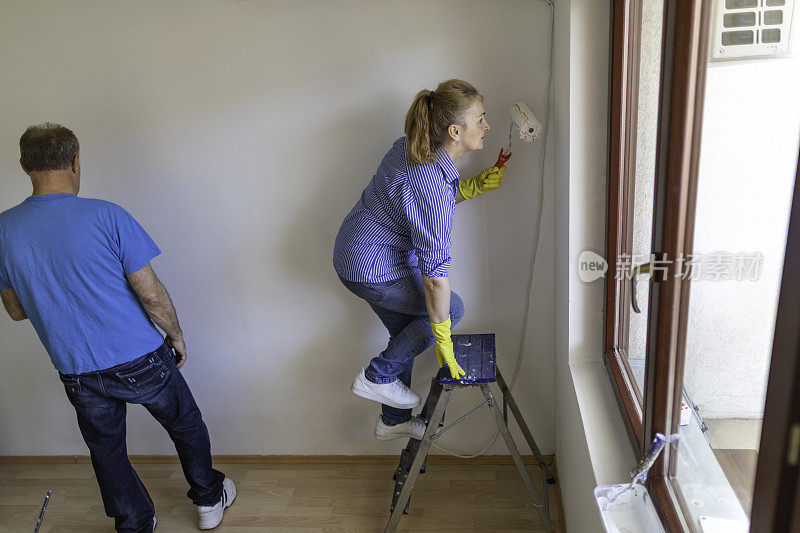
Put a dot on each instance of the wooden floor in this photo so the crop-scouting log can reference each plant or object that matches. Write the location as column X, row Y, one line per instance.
column 740, row 469
column 289, row 494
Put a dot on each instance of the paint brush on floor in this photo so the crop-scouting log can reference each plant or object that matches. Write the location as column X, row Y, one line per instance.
column 44, row 508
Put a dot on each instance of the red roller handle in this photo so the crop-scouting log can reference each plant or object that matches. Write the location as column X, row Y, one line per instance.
column 502, row 158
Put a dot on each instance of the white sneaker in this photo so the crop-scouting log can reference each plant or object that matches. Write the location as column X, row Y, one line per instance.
column 414, row 428
column 154, row 523
column 211, row 515
column 394, row 394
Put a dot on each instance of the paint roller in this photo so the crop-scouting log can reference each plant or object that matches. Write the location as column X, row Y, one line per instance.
column 528, row 127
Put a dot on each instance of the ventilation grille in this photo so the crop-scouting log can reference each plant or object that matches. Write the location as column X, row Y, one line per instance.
column 750, row 28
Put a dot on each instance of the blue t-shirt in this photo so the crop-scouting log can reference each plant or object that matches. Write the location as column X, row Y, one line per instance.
column 66, row 259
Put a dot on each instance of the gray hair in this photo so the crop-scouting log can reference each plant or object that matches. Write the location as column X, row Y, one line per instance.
column 47, row 147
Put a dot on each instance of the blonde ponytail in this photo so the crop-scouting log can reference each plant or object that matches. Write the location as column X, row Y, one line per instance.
column 431, row 114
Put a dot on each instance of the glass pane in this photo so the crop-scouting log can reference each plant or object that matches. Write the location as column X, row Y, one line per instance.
column 744, row 195
column 735, row 20
column 773, row 17
column 771, row 36
column 646, row 129
column 732, row 38
column 739, row 4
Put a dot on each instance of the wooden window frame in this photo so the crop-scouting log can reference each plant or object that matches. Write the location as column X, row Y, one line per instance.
column 682, row 81
column 684, row 64
column 625, row 24
column 776, row 498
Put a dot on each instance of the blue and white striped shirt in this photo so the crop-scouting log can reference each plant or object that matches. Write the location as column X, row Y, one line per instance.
column 402, row 221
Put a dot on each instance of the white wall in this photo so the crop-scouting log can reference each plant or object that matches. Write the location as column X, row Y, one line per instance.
column 592, row 447
column 748, row 160
column 240, row 134
column 649, row 84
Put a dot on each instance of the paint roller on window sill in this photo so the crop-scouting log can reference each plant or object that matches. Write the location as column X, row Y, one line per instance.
column 528, row 127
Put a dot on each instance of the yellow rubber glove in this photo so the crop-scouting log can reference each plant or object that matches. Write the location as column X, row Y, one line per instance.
column 488, row 180
column 444, row 348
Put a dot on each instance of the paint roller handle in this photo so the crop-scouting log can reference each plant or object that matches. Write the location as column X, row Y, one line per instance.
column 502, row 158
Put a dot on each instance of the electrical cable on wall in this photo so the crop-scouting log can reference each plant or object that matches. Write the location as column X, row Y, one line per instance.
column 546, row 131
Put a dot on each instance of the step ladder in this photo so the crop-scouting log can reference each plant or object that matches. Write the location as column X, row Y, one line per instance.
column 476, row 355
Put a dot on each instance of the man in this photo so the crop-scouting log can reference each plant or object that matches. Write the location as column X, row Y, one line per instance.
column 80, row 269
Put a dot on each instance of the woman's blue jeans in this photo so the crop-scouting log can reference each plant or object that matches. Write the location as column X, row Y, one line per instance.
column 100, row 400
column 400, row 304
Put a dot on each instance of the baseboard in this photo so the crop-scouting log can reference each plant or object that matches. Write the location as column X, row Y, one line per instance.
column 277, row 459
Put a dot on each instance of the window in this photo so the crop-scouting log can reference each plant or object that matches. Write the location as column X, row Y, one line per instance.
column 659, row 62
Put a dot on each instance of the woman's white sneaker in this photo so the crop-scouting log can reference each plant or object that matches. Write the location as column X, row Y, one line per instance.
column 211, row 515
column 394, row 394
column 414, row 428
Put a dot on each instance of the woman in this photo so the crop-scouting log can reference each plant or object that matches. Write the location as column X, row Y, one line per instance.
column 393, row 249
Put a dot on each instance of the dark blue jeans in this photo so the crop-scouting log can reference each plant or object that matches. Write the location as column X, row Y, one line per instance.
column 100, row 400
column 400, row 304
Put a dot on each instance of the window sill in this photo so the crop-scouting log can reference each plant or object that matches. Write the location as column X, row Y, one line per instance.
column 609, row 447
column 612, row 456
column 713, row 505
